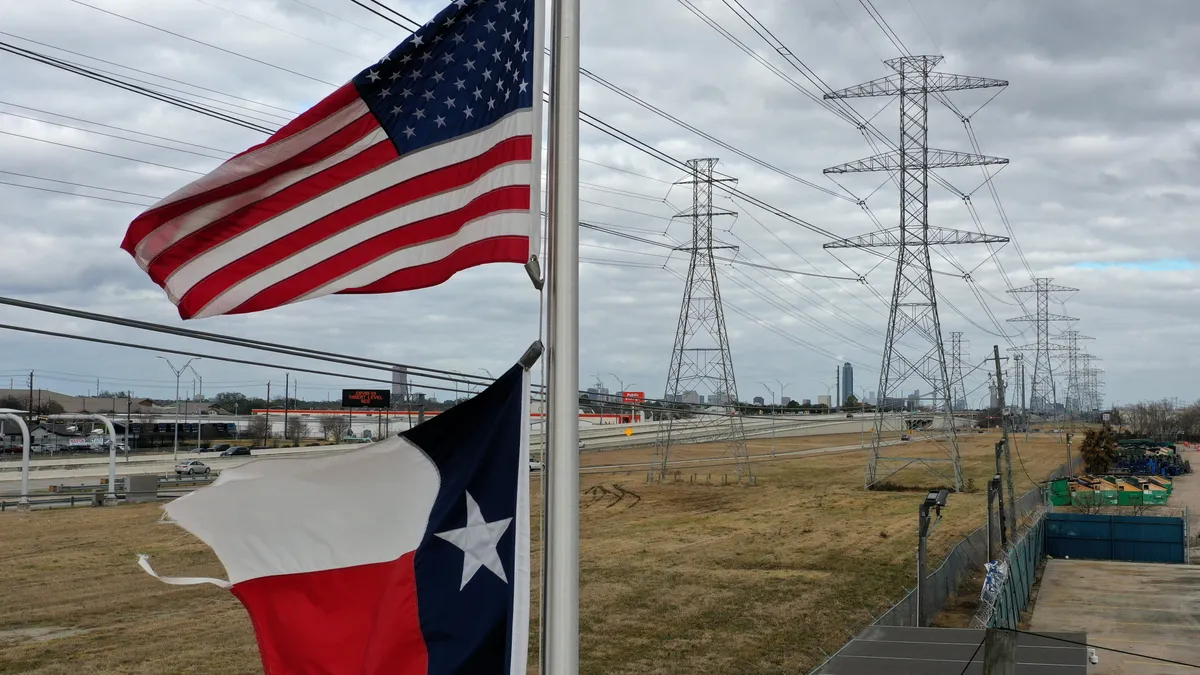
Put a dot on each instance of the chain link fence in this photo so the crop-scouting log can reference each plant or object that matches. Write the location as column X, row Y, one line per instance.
column 1006, row 591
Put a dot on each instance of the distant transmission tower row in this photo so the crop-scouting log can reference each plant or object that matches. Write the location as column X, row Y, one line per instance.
column 1075, row 403
column 1042, row 395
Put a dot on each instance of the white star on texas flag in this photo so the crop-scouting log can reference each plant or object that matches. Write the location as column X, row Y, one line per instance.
column 478, row 541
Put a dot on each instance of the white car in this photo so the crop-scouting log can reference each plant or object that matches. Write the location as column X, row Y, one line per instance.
column 191, row 468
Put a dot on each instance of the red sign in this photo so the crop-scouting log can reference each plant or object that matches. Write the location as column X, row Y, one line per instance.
column 633, row 396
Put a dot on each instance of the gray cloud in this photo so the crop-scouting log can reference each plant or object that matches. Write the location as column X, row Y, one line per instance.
column 1098, row 123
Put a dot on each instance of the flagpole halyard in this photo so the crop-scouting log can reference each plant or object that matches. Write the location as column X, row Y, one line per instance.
column 560, row 624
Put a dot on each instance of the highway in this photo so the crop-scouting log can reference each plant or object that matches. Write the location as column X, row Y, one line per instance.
column 46, row 471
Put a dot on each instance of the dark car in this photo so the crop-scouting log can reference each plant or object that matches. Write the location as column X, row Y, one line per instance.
column 220, row 447
column 235, row 451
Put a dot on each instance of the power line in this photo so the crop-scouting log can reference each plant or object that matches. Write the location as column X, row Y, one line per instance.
column 339, row 18
column 227, row 153
column 83, row 185
column 598, row 228
column 206, row 44
column 72, row 194
column 281, row 30
column 209, row 357
column 100, row 152
column 101, row 133
column 248, row 343
column 165, row 98
column 415, row 24
column 152, row 74
column 1094, row 646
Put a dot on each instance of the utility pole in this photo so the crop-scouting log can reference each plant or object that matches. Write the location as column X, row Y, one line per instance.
column 913, row 316
column 772, row 393
column 267, row 433
column 1007, row 447
column 701, row 358
column 199, row 412
column 999, row 652
column 296, row 398
column 935, row 500
column 32, row 414
column 993, row 494
column 1042, row 397
column 287, row 388
column 837, row 375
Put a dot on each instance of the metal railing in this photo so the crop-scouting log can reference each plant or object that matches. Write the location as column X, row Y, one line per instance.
column 78, row 495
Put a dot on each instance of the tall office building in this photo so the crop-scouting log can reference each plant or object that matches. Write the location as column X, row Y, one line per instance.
column 847, row 382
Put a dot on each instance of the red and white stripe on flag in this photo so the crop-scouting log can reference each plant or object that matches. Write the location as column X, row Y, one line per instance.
column 329, row 204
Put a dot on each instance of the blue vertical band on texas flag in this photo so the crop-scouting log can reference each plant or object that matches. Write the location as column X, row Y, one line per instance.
column 476, row 445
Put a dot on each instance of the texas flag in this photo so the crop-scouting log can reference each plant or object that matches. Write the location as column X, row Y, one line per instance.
column 409, row 556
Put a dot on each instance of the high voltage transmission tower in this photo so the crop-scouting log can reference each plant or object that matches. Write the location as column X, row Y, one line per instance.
column 958, row 390
column 914, row 309
column 1091, row 381
column 701, row 370
column 1042, row 395
column 1075, row 398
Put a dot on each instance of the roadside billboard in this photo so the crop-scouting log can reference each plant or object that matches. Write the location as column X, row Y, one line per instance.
column 366, row 398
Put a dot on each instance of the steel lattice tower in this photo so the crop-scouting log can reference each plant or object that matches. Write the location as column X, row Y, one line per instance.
column 914, row 310
column 1042, row 395
column 1091, row 381
column 701, row 361
column 958, row 390
column 1075, row 385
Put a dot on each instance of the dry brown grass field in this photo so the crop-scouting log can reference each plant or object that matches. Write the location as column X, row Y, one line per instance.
column 692, row 578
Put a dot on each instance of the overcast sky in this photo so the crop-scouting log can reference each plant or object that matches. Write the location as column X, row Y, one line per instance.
column 1098, row 122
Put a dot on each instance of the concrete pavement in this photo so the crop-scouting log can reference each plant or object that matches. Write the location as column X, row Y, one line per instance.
column 1151, row 609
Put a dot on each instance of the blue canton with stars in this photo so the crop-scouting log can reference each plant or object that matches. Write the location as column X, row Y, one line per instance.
column 468, row 67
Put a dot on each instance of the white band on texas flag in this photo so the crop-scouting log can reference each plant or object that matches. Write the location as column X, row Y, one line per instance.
column 407, row 556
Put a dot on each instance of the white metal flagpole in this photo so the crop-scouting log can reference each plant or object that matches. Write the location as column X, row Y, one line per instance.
column 560, row 654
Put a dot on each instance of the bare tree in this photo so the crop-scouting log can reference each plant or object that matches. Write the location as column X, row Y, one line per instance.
column 297, row 429
column 1163, row 420
column 335, row 427
column 256, row 428
column 1089, row 502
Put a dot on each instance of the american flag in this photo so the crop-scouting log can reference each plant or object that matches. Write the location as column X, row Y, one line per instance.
column 423, row 165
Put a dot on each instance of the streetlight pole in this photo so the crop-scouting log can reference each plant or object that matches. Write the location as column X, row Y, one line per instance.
column 621, row 392
column 199, row 421
column 782, row 386
column 178, row 372
column 764, row 384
